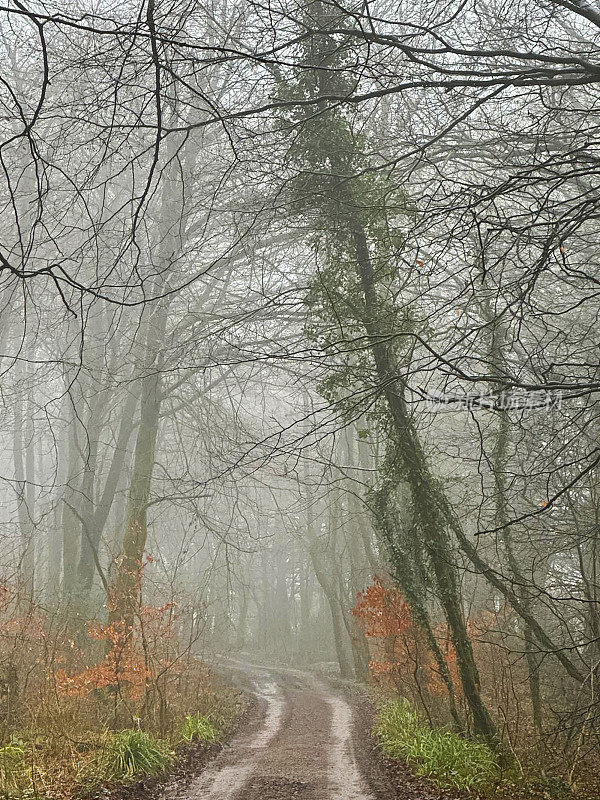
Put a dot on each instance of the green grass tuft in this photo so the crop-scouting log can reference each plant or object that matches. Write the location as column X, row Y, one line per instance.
column 198, row 727
column 130, row 753
column 446, row 758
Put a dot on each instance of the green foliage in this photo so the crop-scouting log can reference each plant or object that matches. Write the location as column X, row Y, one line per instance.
column 448, row 759
column 198, row 727
column 13, row 770
column 130, row 753
column 333, row 194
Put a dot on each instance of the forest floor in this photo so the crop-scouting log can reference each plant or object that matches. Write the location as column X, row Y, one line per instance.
column 303, row 740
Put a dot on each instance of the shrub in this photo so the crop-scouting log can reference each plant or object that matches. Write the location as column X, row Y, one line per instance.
column 448, row 759
column 198, row 727
column 130, row 753
column 13, row 771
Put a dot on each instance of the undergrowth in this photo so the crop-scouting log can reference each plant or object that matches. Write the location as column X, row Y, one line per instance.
column 13, row 771
column 199, row 727
column 130, row 753
column 441, row 755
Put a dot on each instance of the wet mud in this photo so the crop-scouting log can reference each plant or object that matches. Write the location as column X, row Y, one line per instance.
column 300, row 740
column 303, row 748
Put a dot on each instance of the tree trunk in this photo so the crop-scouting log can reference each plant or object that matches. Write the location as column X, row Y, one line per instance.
column 95, row 511
column 426, row 495
column 89, row 535
column 306, row 605
column 340, row 637
column 240, row 642
column 125, row 593
column 24, row 467
column 70, row 522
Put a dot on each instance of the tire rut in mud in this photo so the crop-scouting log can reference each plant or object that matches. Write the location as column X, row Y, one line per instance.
column 295, row 762
column 265, row 788
column 308, row 743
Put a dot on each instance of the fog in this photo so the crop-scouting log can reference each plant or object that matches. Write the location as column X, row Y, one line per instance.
column 299, row 372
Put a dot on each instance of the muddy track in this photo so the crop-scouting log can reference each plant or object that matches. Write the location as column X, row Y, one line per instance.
column 303, row 746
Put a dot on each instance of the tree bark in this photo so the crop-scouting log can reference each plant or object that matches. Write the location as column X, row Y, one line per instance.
column 125, row 593
column 427, row 508
column 24, row 469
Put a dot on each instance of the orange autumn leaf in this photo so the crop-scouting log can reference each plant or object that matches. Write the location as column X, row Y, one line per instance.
column 382, row 612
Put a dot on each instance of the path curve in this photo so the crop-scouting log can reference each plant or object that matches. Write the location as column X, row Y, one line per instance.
column 301, row 750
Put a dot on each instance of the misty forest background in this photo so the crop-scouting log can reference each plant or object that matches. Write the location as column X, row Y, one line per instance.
column 243, row 249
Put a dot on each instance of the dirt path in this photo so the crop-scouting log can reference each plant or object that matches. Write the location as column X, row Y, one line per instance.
column 302, row 748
